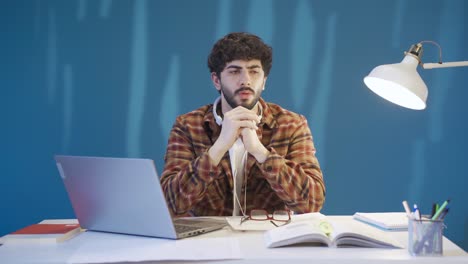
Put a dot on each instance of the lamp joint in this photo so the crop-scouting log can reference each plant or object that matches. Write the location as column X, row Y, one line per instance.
column 416, row 50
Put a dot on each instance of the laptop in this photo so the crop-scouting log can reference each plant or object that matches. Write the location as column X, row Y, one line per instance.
column 124, row 195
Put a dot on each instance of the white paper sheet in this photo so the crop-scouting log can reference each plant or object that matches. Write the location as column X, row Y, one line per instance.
column 102, row 247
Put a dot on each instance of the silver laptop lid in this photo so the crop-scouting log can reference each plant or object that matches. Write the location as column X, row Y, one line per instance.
column 119, row 195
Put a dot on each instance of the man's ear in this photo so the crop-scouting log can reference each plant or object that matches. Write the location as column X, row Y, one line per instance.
column 216, row 81
column 264, row 83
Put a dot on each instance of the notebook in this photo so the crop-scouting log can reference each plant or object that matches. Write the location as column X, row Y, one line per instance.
column 124, row 195
column 396, row 221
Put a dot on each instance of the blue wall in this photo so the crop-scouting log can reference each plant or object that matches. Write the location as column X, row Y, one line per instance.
column 108, row 78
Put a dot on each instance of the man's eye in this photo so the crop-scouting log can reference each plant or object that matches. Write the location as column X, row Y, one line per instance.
column 253, row 72
column 234, row 72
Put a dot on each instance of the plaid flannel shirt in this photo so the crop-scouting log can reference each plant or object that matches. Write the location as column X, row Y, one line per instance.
column 290, row 178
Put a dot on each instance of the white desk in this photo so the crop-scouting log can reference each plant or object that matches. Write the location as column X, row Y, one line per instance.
column 251, row 249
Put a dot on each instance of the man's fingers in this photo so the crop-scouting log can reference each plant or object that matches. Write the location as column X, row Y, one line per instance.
column 247, row 124
column 242, row 114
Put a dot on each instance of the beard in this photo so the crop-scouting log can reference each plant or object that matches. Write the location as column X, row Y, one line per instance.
column 231, row 97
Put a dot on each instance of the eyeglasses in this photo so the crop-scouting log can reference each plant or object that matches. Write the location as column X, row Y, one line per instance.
column 283, row 216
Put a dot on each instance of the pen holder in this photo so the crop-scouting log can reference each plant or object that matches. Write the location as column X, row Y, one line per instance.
column 425, row 237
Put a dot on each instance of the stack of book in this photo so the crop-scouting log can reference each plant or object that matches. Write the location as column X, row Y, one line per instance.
column 390, row 221
column 43, row 233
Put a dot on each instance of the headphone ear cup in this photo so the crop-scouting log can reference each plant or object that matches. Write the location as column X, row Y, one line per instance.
column 218, row 119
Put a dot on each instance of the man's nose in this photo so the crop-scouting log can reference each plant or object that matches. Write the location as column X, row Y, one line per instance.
column 245, row 79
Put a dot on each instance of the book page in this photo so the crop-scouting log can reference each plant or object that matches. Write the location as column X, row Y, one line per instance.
column 296, row 233
column 354, row 233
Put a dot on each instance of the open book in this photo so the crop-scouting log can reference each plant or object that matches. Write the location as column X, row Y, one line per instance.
column 331, row 234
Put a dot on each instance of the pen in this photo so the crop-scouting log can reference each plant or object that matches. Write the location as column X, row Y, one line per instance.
column 407, row 210
column 434, row 209
column 444, row 213
column 417, row 214
column 441, row 208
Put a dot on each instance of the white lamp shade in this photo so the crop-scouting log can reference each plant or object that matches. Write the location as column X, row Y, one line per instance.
column 399, row 83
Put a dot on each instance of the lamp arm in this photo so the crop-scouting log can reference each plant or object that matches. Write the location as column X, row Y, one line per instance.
column 417, row 50
column 444, row 64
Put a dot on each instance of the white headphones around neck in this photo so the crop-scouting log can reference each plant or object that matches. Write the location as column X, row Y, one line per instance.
column 218, row 119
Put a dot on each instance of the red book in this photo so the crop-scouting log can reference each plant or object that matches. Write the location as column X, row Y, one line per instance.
column 44, row 233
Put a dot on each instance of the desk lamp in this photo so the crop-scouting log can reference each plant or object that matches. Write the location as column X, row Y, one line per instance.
column 400, row 83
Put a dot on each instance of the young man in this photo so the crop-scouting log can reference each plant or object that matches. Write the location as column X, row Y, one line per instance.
column 241, row 153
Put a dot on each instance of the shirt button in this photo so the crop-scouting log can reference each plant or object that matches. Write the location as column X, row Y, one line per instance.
column 269, row 168
column 212, row 174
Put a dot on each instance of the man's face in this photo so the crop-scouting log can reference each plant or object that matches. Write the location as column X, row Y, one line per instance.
column 241, row 83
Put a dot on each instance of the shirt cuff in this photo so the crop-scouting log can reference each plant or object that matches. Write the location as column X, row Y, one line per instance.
column 207, row 171
column 272, row 165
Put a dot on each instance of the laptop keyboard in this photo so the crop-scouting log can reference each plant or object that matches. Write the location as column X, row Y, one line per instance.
column 185, row 228
column 189, row 225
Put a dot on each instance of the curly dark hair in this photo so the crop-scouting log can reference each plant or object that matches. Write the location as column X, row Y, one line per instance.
column 239, row 46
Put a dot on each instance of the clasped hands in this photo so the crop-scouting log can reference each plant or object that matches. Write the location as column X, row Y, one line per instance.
column 239, row 122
